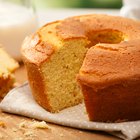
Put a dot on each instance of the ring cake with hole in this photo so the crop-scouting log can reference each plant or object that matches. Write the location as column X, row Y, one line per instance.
column 90, row 57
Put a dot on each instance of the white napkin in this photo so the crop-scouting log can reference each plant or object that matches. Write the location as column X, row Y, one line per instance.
column 131, row 9
column 20, row 101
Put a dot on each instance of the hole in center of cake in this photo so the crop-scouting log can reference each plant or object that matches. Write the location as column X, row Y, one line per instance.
column 106, row 36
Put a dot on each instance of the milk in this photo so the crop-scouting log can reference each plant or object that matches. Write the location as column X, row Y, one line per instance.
column 16, row 22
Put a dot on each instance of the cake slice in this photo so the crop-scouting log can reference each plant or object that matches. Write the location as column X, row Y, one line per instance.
column 6, row 61
column 110, row 82
column 52, row 70
column 7, row 68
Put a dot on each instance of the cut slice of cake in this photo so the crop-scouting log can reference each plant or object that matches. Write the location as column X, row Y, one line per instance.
column 8, row 62
column 54, row 69
column 110, row 82
column 7, row 66
column 52, row 63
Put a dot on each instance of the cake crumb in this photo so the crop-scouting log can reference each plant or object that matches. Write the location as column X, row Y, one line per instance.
column 1, row 136
column 61, row 135
column 40, row 125
column 80, row 132
column 22, row 124
column 19, row 138
column 14, row 130
column 8, row 117
column 29, row 134
column 2, row 124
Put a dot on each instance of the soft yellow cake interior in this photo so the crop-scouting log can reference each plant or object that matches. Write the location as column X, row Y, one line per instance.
column 60, row 70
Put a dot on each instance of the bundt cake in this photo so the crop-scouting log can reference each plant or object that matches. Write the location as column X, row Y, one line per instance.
column 109, row 77
column 7, row 67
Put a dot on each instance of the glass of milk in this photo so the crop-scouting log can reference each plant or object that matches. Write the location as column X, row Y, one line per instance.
column 17, row 20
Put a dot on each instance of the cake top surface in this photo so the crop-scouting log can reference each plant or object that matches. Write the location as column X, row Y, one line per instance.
column 81, row 26
column 107, row 64
column 93, row 29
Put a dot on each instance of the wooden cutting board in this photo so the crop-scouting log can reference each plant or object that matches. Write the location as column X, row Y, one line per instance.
column 14, row 127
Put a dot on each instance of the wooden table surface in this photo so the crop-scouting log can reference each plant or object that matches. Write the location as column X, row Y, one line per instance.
column 18, row 127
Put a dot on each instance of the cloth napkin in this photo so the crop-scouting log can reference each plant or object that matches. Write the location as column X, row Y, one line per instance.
column 131, row 9
column 20, row 101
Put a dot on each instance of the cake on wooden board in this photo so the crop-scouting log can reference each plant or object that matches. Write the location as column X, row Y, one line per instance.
column 55, row 53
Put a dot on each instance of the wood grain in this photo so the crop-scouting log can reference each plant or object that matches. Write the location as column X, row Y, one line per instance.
column 15, row 130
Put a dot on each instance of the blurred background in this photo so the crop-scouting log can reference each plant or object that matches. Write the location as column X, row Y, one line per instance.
column 78, row 3
column 20, row 18
column 50, row 10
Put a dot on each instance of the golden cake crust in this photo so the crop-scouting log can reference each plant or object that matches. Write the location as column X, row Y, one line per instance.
column 115, row 38
column 81, row 26
column 111, row 64
column 35, row 50
column 39, row 50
